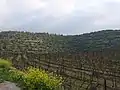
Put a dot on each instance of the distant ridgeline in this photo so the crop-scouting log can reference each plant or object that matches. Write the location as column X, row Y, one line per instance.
column 46, row 43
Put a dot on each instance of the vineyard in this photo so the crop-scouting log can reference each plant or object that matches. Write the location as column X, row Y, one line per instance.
column 86, row 62
column 83, row 71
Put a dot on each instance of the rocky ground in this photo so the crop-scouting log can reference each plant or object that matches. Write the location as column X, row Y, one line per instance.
column 8, row 86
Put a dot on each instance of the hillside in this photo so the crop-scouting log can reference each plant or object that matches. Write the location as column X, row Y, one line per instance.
column 44, row 42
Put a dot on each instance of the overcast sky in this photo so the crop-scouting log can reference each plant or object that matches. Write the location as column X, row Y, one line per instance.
column 60, row 16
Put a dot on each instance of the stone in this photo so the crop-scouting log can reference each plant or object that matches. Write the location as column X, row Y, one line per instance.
column 8, row 86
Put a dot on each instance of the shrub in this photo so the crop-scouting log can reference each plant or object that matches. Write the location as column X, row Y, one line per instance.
column 5, row 63
column 4, row 70
column 16, row 76
column 35, row 79
column 29, row 79
column 38, row 78
column 3, row 74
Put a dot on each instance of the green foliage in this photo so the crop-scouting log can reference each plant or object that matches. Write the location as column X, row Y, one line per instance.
column 16, row 76
column 5, row 63
column 4, row 69
column 4, row 74
column 29, row 79
column 35, row 79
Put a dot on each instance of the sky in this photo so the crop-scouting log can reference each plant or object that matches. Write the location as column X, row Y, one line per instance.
column 59, row 16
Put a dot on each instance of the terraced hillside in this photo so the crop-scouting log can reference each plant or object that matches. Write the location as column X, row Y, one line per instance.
column 44, row 42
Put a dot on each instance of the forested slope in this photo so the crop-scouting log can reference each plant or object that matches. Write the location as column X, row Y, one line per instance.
column 44, row 42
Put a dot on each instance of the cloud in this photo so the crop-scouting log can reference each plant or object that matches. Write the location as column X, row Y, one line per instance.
column 25, row 6
column 110, row 14
column 60, row 16
column 59, row 7
column 4, row 11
